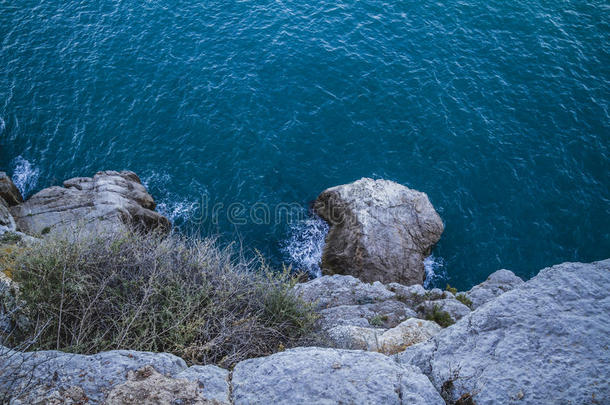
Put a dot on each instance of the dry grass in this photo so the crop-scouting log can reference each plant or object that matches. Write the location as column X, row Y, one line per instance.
column 167, row 294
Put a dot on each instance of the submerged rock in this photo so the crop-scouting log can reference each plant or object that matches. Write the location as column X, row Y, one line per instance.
column 105, row 202
column 545, row 341
column 379, row 231
column 330, row 376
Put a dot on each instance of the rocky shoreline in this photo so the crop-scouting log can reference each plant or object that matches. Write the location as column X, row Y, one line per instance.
column 387, row 339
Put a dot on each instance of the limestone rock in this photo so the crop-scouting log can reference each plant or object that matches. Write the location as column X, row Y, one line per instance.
column 105, row 202
column 379, row 231
column 332, row 291
column 385, row 314
column 8, row 191
column 497, row 283
column 545, row 341
column 391, row 341
column 35, row 375
column 329, row 376
column 212, row 380
column 452, row 306
column 147, row 387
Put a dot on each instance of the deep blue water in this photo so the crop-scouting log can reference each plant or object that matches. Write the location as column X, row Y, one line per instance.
column 497, row 109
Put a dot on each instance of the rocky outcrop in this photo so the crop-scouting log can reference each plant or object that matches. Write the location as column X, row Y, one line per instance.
column 105, row 202
column 390, row 341
column 8, row 191
column 379, row 231
column 496, row 284
column 545, row 341
column 40, row 377
column 329, row 376
column 147, row 387
column 374, row 316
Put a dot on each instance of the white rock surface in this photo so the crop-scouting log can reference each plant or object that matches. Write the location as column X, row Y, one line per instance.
column 329, row 376
column 497, row 283
column 547, row 341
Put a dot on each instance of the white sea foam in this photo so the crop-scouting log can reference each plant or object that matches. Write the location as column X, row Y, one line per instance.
column 435, row 271
column 25, row 175
column 178, row 211
column 305, row 243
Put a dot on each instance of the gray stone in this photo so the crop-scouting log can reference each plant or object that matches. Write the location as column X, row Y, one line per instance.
column 452, row 306
column 545, row 341
column 8, row 191
column 497, row 283
column 379, row 231
column 6, row 219
column 147, row 387
column 105, row 202
column 386, row 314
column 213, row 380
column 390, row 341
column 33, row 375
column 332, row 291
column 329, row 376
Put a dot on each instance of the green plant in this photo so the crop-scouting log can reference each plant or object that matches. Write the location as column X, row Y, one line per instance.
column 45, row 230
column 10, row 237
column 439, row 316
column 378, row 320
column 451, row 289
column 155, row 293
column 464, row 300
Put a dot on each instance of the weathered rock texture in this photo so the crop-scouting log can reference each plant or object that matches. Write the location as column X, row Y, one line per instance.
column 105, row 202
column 40, row 377
column 147, row 387
column 329, row 376
column 8, row 191
column 379, row 231
column 496, row 284
column 374, row 316
column 390, row 341
column 545, row 341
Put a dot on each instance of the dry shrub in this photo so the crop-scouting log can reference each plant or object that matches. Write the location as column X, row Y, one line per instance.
column 158, row 293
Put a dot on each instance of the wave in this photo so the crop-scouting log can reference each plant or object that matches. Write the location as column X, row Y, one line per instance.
column 435, row 271
column 25, row 175
column 178, row 211
column 305, row 244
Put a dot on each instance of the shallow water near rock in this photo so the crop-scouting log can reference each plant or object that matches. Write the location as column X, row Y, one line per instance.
column 497, row 110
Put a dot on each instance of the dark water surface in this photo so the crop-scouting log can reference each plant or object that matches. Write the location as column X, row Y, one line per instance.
column 497, row 109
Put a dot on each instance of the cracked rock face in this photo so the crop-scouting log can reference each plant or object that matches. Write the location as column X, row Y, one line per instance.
column 330, row 376
column 379, row 231
column 8, row 191
column 105, row 202
column 38, row 377
column 545, row 341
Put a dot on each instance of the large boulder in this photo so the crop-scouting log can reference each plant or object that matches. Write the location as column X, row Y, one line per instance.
column 545, row 341
column 379, row 231
column 38, row 377
column 105, row 202
column 329, row 376
column 8, row 191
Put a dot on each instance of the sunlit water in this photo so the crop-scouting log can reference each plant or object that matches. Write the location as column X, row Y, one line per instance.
column 497, row 109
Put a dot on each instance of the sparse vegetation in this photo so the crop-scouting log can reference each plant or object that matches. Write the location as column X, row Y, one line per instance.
column 464, row 300
column 439, row 316
column 378, row 320
column 451, row 289
column 154, row 293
